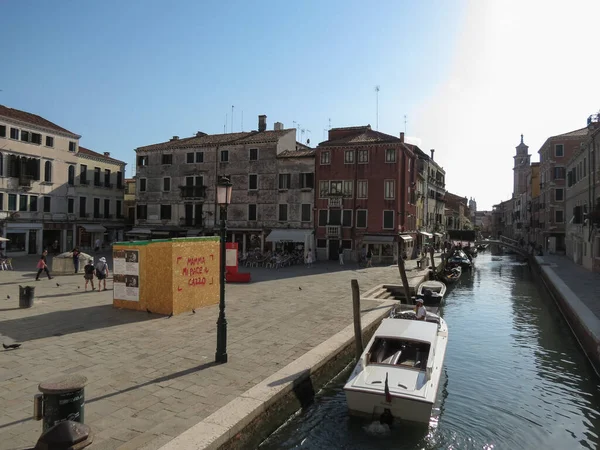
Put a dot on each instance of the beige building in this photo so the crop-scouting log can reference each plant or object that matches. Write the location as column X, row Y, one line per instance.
column 129, row 199
column 40, row 189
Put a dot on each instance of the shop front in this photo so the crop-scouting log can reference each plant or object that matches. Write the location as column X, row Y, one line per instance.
column 423, row 239
column 291, row 240
column 382, row 246
column 88, row 234
column 24, row 239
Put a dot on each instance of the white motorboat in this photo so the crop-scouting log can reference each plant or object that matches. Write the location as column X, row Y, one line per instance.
column 432, row 292
column 399, row 372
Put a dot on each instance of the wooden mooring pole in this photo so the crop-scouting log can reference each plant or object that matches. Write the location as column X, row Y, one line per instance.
column 356, row 312
column 402, row 271
column 432, row 253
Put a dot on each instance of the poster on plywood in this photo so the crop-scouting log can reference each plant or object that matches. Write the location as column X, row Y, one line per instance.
column 126, row 276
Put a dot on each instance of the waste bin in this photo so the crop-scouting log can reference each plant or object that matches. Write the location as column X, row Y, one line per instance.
column 62, row 399
column 26, row 295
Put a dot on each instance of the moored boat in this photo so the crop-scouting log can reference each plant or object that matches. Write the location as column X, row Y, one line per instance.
column 451, row 274
column 432, row 292
column 398, row 374
column 460, row 258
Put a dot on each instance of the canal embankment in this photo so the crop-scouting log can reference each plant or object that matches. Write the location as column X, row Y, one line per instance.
column 576, row 308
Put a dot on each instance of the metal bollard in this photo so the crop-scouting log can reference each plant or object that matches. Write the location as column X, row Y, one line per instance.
column 62, row 399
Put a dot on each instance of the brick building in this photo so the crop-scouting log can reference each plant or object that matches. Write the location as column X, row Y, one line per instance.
column 366, row 194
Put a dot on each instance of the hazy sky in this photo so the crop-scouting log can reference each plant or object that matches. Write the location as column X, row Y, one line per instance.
column 470, row 76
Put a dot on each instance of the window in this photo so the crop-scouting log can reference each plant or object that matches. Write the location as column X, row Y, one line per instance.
column 347, row 218
column 97, row 176
column 167, row 159
column 22, row 203
column 335, row 217
column 142, row 212
column 361, row 218
column 253, row 154
column 3, row 131
column 107, row 178
column 14, row 133
column 390, row 155
column 12, row 202
column 323, row 189
column 82, row 207
column 106, row 208
column 83, row 174
column 335, row 187
column 347, row 244
column 190, row 158
column 322, row 217
column 305, row 212
column 349, row 157
column 307, row 180
column 389, row 189
column 71, row 176
column 167, row 184
column 142, row 161
column 48, row 172
column 199, row 157
column 283, row 213
column 96, row 208
column 33, row 203
column 47, row 204
column 224, row 156
column 165, row 212
column 119, row 208
column 252, row 182
column 559, row 173
column 325, row 158
column 72, row 146
column 559, row 150
column 362, row 189
column 70, row 205
column 347, row 188
column 142, row 185
column 119, row 180
column 388, row 220
column 36, row 138
column 49, row 141
column 559, row 194
column 24, row 136
column 559, row 216
column 363, row 156
column 285, row 181
column 252, row 213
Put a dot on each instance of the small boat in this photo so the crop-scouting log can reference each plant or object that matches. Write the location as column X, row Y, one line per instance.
column 451, row 274
column 460, row 258
column 398, row 374
column 432, row 292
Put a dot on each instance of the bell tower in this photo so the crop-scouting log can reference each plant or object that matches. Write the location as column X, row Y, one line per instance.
column 521, row 168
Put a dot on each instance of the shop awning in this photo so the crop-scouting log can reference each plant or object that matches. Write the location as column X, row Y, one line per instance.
column 405, row 237
column 439, row 234
column 193, row 233
column 288, row 235
column 94, row 228
column 425, row 233
column 377, row 239
column 139, row 231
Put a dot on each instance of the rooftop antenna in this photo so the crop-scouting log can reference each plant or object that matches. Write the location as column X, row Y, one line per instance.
column 302, row 135
column 377, row 107
column 232, row 118
column 225, row 126
column 296, row 126
column 329, row 124
column 405, row 120
column 242, row 125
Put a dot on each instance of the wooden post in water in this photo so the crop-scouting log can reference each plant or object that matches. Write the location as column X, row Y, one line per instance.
column 402, row 271
column 356, row 312
column 432, row 253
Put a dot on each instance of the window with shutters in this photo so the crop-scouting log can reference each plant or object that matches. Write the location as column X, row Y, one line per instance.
column 33, row 203
column 362, row 189
column 252, row 212
column 22, row 203
column 142, row 212
column 347, row 188
column 190, row 158
column 253, row 182
column 49, row 141
column 166, row 184
column 363, row 156
column 388, row 220
column 70, row 205
column 306, row 210
column 559, row 150
column 143, row 183
column 165, row 212
column 389, row 189
column 285, row 181
column 325, row 158
column 390, row 155
column 82, row 207
column 349, row 157
column 47, row 204
column 224, row 156
column 253, row 156
column 347, row 218
column 167, row 159
column 12, row 202
column 307, row 180
column 322, row 217
column 283, row 212
column 361, row 218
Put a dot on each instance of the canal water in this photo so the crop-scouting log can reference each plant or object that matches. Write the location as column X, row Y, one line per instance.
column 514, row 378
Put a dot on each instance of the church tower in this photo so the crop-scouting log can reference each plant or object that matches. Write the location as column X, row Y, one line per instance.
column 521, row 169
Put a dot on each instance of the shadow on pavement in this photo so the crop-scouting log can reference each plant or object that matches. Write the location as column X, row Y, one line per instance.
column 70, row 321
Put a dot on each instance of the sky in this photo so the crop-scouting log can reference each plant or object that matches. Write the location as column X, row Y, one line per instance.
column 465, row 78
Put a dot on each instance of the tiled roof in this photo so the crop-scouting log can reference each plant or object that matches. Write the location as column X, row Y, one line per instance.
column 582, row 132
column 87, row 151
column 364, row 135
column 32, row 119
column 297, row 153
column 247, row 137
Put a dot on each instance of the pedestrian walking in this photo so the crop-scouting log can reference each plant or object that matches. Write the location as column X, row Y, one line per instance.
column 75, row 253
column 42, row 266
column 309, row 259
column 88, row 274
column 341, row 256
column 369, row 258
column 102, row 273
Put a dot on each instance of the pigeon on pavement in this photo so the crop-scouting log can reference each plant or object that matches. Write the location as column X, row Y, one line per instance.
column 170, row 315
column 193, row 311
column 148, row 311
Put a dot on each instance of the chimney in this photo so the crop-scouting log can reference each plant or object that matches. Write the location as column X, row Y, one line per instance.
column 107, row 154
column 278, row 126
column 175, row 138
column 402, row 137
column 432, row 152
column 262, row 123
column 200, row 134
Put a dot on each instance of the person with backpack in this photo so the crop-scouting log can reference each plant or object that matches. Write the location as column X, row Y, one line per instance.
column 102, row 273
column 88, row 274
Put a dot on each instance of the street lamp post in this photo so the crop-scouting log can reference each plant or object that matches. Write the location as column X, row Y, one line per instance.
column 224, row 188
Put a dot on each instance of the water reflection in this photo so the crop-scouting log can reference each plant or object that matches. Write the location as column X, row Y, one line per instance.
column 514, row 378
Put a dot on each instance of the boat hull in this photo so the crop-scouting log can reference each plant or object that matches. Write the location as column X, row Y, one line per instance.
column 372, row 405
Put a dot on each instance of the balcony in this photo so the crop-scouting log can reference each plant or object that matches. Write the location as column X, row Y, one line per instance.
column 336, row 202
column 189, row 222
column 193, row 191
column 333, row 231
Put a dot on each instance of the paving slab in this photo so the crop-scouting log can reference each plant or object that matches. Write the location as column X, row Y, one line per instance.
column 151, row 378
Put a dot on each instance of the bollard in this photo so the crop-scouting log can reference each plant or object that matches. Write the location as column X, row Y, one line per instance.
column 26, row 295
column 62, row 399
column 66, row 435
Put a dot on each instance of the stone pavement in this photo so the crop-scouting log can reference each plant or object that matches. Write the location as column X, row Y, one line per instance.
column 585, row 284
column 150, row 377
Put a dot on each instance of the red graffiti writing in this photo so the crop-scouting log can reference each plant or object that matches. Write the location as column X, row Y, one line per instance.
column 212, row 257
column 200, row 281
column 193, row 261
column 179, row 259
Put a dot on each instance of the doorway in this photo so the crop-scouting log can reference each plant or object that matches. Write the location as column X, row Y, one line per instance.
column 32, row 242
column 334, row 249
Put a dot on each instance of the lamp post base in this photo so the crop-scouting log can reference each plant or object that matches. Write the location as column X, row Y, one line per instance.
column 221, row 358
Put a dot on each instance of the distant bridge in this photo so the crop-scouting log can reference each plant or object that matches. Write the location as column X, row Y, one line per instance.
column 506, row 243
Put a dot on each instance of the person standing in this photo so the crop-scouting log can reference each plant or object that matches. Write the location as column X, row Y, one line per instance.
column 55, row 247
column 88, row 274
column 309, row 259
column 75, row 253
column 102, row 273
column 341, row 256
column 97, row 245
column 42, row 266
column 369, row 258
column 420, row 310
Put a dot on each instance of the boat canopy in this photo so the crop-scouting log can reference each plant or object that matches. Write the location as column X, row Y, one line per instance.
column 416, row 330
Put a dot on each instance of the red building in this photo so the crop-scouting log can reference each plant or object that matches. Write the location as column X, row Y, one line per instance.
column 365, row 194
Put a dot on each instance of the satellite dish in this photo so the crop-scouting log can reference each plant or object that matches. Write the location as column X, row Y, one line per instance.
column 308, row 141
